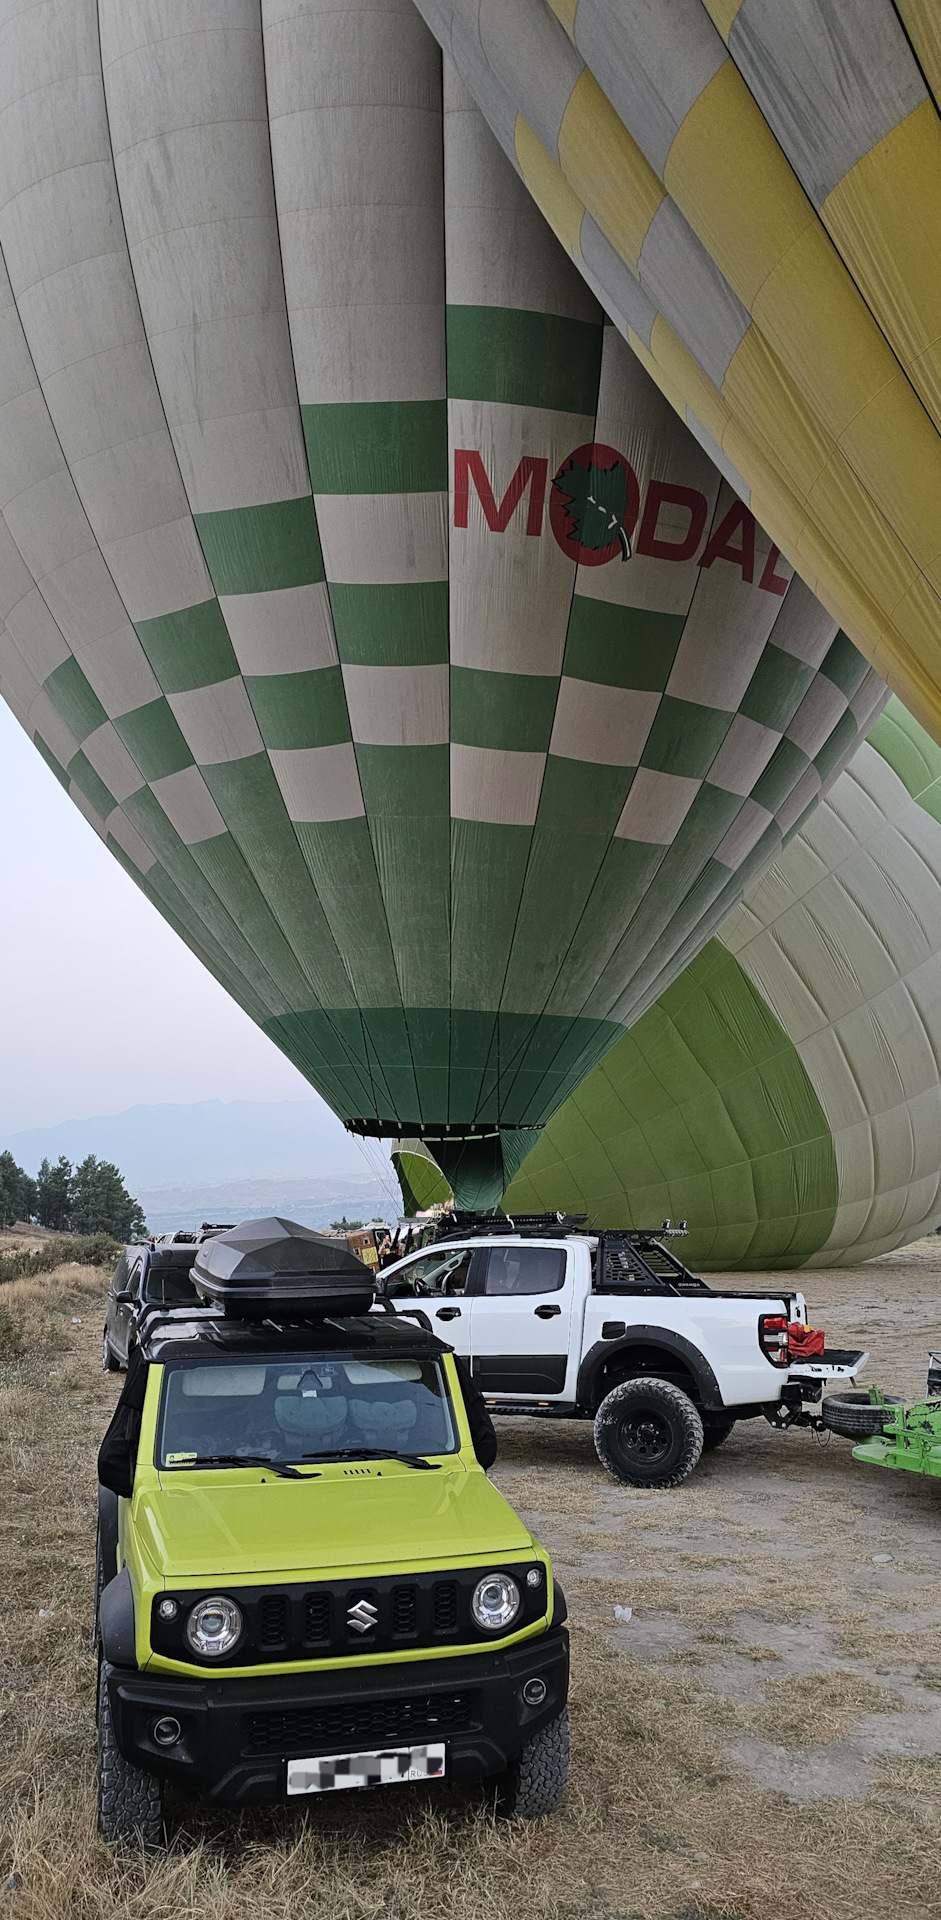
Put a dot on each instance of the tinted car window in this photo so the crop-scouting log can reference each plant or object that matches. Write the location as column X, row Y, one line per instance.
column 119, row 1275
column 171, row 1287
column 525, row 1270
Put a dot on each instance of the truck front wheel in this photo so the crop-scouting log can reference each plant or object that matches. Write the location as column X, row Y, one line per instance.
column 648, row 1433
column 130, row 1809
column 535, row 1783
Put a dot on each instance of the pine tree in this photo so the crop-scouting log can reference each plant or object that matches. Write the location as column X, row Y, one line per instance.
column 17, row 1192
column 100, row 1202
column 53, row 1194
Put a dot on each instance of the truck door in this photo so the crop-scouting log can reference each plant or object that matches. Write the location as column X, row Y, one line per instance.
column 521, row 1312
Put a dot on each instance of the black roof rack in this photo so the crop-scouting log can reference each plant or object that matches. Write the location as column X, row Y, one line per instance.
column 207, row 1332
column 464, row 1226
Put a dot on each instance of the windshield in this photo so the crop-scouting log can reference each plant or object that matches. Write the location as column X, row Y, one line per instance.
column 304, row 1408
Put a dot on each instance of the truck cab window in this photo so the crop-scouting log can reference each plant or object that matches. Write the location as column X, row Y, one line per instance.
column 445, row 1272
column 515, row 1270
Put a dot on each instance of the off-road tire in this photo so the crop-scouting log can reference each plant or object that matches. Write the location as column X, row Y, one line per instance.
column 130, row 1801
column 109, row 1360
column 648, row 1433
column 534, row 1784
column 715, row 1432
column 854, row 1415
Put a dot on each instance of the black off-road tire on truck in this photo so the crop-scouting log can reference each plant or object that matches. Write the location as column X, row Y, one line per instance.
column 716, row 1428
column 130, row 1801
column 109, row 1360
column 648, row 1433
column 535, row 1783
column 855, row 1416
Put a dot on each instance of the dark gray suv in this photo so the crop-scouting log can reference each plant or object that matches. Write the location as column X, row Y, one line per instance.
column 156, row 1275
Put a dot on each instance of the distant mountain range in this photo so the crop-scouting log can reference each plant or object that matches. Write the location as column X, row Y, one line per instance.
column 314, row 1203
column 211, row 1143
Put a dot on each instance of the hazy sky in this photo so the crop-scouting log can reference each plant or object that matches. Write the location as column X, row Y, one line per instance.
column 101, row 1004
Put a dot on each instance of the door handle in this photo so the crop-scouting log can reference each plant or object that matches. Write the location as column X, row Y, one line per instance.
column 448, row 1313
column 546, row 1313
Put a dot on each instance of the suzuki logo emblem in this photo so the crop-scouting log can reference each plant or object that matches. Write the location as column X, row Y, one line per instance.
column 362, row 1617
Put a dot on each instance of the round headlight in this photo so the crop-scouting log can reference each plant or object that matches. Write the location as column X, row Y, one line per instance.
column 214, row 1626
column 496, row 1602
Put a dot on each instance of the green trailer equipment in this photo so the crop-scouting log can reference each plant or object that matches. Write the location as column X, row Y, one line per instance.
column 889, row 1431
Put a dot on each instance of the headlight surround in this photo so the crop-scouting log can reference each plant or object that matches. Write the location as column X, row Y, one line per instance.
column 496, row 1602
column 214, row 1626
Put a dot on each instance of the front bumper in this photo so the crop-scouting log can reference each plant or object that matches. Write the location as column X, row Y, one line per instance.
column 236, row 1735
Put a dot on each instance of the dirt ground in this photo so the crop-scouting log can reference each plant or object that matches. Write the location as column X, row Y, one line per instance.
column 760, row 1741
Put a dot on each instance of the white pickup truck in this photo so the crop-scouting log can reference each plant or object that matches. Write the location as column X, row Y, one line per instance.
column 610, row 1326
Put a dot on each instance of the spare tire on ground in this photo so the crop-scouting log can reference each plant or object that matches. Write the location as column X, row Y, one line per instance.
column 854, row 1414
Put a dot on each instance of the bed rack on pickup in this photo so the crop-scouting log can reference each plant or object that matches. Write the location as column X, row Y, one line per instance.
column 634, row 1260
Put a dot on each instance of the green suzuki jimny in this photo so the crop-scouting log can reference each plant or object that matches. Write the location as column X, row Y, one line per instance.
column 305, row 1580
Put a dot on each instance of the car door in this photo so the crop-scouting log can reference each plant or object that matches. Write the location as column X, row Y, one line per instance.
column 125, row 1312
column 521, row 1313
column 436, row 1280
column 118, row 1282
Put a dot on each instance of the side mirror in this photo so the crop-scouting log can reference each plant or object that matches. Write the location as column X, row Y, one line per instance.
column 125, row 1299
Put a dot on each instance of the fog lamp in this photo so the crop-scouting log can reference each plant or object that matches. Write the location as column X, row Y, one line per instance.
column 534, row 1692
column 167, row 1731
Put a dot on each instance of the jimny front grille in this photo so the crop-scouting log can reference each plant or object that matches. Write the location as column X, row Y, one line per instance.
column 344, row 1618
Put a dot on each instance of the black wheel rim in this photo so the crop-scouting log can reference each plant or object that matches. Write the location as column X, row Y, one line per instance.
column 645, row 1437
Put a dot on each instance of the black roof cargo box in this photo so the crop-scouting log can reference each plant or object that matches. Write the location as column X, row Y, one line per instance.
column 277, row 1267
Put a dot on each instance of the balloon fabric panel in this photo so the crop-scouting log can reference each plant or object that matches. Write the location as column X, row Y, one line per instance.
column 750, row 191
column 784, row 1094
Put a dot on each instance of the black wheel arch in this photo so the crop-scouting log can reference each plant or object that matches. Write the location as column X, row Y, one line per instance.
column 108, row 1531
column 116, row 1621
column 641, row 1350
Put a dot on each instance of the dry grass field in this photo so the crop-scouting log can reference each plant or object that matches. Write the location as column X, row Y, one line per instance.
column 762, row 1741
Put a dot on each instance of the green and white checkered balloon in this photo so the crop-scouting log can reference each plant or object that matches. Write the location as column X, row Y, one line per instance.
column 368, row 599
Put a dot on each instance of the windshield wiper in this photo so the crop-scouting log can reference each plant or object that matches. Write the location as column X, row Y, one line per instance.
column 370, row 1453
column 279, row 1467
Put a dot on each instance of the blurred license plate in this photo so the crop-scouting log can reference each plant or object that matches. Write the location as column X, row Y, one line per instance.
column 386, row 1769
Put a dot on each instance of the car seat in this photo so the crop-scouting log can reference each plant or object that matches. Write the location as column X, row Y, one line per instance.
column 384, row 1424
column 311, row 1422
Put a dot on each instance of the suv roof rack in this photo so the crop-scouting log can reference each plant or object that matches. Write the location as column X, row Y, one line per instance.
column 464, row 1226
